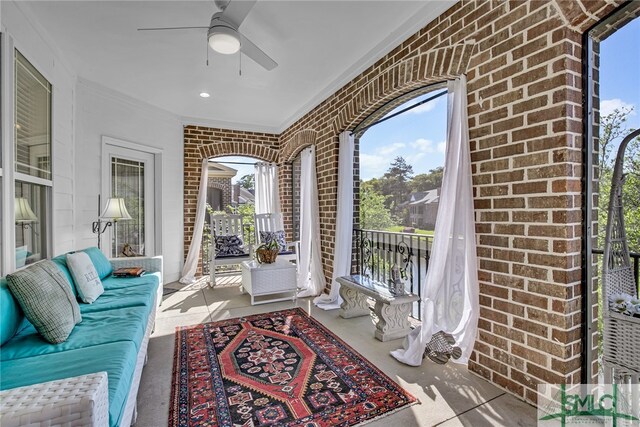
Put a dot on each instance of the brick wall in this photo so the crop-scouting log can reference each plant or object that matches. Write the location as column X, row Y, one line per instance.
column 523, row 64
column 223, row 184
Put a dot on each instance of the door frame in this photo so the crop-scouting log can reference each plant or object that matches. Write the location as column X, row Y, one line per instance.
column 110, row 144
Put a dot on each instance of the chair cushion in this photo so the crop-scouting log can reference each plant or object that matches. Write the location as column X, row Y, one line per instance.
column 101, row 327
column 46, row 299
column 229, row 245
column 86, row 277
column 118, row 359
column 266, row 237
column 10, row 313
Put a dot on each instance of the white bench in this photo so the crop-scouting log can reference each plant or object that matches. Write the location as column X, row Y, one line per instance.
column 392, row 309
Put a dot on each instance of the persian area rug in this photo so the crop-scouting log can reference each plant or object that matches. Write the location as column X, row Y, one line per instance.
column 275, row 369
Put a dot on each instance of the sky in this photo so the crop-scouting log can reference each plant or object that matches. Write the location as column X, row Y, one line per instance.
column 419, row 135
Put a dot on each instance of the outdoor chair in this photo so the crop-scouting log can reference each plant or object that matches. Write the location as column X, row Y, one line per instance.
column 621, row 336
column 273, row 222
column 226, row 232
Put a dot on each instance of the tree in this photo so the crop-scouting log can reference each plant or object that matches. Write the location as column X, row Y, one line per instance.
column 612, row 130
column 374, row 215
column 248, row 182
column 394, row 183
column 427, row 181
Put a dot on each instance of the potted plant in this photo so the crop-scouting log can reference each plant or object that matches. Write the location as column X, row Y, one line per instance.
column 267, row 252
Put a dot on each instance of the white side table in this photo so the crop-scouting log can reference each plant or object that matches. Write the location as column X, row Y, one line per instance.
column 269, row 279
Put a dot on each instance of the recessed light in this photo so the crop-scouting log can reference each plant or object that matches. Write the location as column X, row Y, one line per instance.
column 204, row 95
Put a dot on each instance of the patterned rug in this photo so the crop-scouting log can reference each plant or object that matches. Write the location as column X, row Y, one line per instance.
column 275, row 369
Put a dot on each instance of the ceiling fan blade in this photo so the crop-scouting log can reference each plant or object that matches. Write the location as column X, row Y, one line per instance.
column 255, row 53
column 172, row 28
column 237, row 10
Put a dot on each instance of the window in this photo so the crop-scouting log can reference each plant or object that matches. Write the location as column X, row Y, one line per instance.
column 127, row 182
column 33, row 177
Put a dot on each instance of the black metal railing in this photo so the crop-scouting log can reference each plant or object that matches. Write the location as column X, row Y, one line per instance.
column 377, row 252
column 249, row 238
column 635, row 262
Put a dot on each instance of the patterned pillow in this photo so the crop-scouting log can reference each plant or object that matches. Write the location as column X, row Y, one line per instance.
column 266, row 237
column 46, row 300
column 229, row 245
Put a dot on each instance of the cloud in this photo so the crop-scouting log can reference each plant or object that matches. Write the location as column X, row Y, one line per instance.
column 442, row 146
column 424, row 145
column 607, row 106
column 388, row 149
column 373, row 166
column 424, row 108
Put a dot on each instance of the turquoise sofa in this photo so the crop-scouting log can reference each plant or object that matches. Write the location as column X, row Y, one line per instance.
column 112, row 336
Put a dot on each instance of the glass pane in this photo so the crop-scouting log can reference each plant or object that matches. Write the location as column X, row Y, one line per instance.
column 127, row 182
column 33, row 120
column 31, row 217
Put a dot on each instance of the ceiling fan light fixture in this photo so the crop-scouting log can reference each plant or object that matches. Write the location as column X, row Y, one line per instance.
column 224, row 40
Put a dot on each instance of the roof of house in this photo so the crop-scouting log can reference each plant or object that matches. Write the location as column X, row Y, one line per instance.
column 218, row 170
column 424, row 197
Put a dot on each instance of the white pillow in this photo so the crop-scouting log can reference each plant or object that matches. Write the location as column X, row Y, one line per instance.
column 86, row 277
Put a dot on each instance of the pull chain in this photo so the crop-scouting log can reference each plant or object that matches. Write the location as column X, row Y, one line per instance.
column 207, row 53
column 240, row 69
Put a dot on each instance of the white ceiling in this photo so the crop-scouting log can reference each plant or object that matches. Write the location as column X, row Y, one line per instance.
column 319, row 46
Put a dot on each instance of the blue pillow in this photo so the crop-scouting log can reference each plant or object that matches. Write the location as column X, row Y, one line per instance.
column 100, row 262
column 11, row 315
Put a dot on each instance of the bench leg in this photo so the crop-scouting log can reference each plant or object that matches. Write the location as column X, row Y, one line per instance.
column 354, row 304
column 393, row 321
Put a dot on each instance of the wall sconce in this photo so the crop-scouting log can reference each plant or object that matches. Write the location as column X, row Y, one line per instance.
column 114, row 211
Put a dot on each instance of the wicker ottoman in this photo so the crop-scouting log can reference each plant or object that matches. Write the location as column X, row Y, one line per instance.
column 278, row 279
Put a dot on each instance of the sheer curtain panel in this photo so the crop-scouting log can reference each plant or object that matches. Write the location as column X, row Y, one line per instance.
column 191, row 263
column 267, row 190
column 450, row 290
column 310, row 274
column 344, row 223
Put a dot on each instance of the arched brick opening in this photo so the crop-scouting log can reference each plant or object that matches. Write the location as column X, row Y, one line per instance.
column 205, row 143
column 288, row 153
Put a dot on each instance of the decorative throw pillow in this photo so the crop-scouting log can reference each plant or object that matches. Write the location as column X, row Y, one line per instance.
column 85, row 275
column 229, row 245
column 266, row 237
column 46, row 300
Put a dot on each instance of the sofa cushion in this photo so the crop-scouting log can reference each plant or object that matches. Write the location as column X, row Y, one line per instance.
column 143, row 294
column 61, row 262
column 10, row 313
column 123, row 324
column 86, row 277
column 100, row 262
column 46, row 299
column 112, row 282
column 118, row 359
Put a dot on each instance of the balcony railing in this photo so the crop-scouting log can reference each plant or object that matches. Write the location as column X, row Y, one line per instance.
column 376, row 253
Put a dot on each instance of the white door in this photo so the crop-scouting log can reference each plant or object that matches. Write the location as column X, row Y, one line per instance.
column 129, row 174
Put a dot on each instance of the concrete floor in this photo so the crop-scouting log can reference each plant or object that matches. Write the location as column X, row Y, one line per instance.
column 449, row 394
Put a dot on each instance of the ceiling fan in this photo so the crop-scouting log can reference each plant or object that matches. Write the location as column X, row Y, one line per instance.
column 223, row 34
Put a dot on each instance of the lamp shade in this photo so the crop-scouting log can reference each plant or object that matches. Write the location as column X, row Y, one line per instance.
column 23, row 212
column 115, row 210
column 224, row 39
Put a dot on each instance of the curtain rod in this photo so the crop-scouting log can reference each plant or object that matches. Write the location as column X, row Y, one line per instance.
column 234, row 163
column 404, row 110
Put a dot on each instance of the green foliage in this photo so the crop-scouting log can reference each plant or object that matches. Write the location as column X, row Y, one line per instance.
column 248, row 182
column 612, row 130
column 374, row 215
column 427, row 181
column 395, row 183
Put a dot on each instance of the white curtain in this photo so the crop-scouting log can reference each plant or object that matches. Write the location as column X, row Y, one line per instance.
column 450, row 290
column 267, row 189
column 344, row 223
column 310, row 274
column 191, row 263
